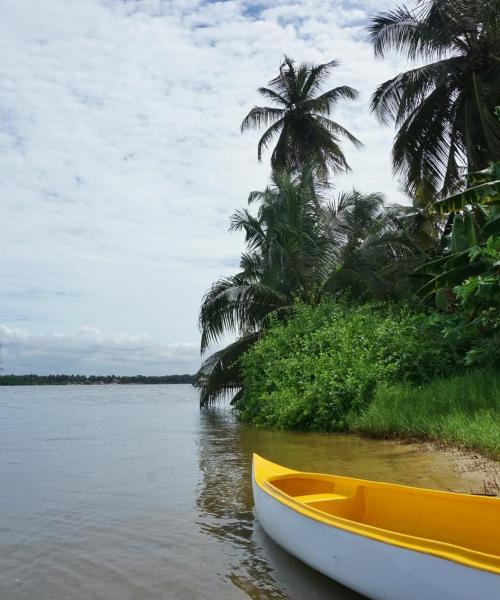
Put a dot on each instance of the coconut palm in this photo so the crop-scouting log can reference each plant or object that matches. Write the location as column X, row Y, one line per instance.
column 299, row 118
column 443, row 110
column 422, row 223
column 375, row 252
column 299, row 247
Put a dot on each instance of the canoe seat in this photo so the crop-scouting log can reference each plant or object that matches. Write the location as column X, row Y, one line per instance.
column 308, row 498
column 346, row 507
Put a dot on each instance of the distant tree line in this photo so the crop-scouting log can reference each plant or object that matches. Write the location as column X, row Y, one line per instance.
column 32, row 379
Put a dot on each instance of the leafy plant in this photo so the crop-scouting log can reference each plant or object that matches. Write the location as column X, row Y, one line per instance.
column 479, row 300
column 484, row 189
column 474, row 216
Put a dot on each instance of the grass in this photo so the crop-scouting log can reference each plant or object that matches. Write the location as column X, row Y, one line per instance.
column 463, row 411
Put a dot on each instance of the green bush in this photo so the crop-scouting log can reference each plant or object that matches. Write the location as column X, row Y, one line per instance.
column 479, row 307
column 463, row 410
column 324, row 364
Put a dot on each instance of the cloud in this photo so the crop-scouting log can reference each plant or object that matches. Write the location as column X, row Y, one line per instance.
column 122, row 159
column 90, row 351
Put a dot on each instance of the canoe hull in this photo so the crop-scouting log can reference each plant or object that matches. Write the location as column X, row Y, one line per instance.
column 378, row 570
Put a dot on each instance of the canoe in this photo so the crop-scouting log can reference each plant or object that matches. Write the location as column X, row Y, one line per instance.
column 388, row 542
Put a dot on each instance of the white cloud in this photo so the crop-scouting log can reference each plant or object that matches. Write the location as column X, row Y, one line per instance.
column 121, row 157
column 90, row 351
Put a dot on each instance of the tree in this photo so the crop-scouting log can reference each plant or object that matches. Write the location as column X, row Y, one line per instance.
column 299, row 248
column 443, row 110
column 300, row 119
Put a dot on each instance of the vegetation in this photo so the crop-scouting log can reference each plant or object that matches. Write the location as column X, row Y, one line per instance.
column 325, row 363
column 299, row 247
column 90, row 379
column 443, row 109
column 474, row 221
column 462, row 410
column 350, row 313
column 300, row 119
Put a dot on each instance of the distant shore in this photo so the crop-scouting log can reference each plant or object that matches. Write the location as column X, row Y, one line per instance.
column 32, row 379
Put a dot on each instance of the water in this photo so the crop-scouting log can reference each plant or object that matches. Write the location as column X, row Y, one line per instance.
column 132, row 493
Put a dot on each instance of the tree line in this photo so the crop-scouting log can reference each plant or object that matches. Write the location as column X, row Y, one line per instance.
column 32, row 379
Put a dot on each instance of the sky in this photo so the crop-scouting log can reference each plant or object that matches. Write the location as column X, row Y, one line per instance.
column 121, row 162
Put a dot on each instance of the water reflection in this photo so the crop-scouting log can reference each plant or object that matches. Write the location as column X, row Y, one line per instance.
column 256, row 565
column 224, row 500
column 123, row 492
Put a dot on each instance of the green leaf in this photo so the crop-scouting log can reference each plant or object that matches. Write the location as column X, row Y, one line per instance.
column 458, row 240
column 469, row 230
column 485, row 193
column 492, row 227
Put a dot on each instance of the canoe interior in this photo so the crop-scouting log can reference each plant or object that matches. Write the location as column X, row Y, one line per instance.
column 467, row 521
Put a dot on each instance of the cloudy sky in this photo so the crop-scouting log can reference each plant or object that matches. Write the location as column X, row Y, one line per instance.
column 122, row 161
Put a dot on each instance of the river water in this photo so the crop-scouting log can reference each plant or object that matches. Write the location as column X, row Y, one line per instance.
column 131, row 493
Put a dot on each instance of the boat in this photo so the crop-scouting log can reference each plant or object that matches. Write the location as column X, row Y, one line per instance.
column 385, row 541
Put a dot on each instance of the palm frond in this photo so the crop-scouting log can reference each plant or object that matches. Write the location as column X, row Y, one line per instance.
column 443, row 110
column 268, row 136
column 261, row 116
column 233, row 305
column 220, row 374
column 337, row 130
column 317, row 77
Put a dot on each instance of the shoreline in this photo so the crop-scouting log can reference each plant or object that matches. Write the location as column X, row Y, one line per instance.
column 425, row 440
column 483, row 470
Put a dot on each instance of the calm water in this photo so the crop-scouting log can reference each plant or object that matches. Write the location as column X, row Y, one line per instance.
column 130, row 492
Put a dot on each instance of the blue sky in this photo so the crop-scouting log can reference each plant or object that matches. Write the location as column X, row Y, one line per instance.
column 122, row 161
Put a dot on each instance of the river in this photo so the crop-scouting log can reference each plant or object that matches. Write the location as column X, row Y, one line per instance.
column 131, row 493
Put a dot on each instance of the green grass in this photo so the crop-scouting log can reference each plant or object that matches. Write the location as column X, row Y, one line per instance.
column 463, row 411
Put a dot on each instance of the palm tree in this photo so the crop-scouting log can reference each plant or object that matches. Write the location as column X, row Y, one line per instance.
column 423, row 224
column 443, row 110
column 273, row 272
column 375, row 252
column 300, row 119
column 299, row 247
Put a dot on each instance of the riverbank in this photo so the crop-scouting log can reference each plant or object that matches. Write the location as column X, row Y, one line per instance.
column 378, row 370
column 461, row 411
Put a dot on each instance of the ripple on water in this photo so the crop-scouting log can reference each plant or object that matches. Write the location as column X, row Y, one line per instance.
column 129, row 492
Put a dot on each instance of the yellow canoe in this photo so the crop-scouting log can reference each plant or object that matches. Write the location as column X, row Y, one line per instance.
column 388, row 542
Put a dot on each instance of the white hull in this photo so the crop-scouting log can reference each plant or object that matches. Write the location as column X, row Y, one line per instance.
column 378, row 570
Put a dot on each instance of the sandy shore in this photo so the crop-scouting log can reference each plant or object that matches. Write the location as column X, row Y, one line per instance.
column 475, row 473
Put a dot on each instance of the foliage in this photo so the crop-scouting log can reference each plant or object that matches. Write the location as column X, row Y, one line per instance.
column 299, row 247
column 454, row 265
column 484, row 189
column 479, row 302
column 325, row 363
column 220, row 373
column 422, row 223
column 374, row 255
column 300, row 118
column 463, row 410
column 442, row 109
column 474, row 217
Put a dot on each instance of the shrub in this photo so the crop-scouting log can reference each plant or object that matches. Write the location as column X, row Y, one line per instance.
column 324, row 364
column 479, row 307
